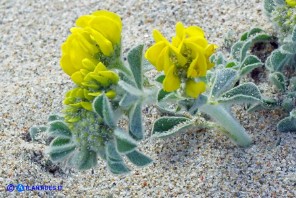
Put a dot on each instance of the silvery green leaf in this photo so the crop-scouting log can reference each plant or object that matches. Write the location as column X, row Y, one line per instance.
column 245, row 47
column 268, row 64
column 261, row 38
column 55, row 117
column 269, row 6
column 201, row 100
column 127, row 100
column 244, row 36
column 231, row 64
column 134, row 59
column 60, row 141
column 266, row 103
column 218, row 59
column 102, row 106
column 162, row 94
column 288, row 48
column 112, row 153
column 59, row 153
column 59, row 128
column 236, row 50
column 224, row 80
column 127, row 79
column 294, row 34
column 293, row 83
column 83, row 159
column 124, row 142
column 250, row 62
column 278, row 79
column 254, row 31
column 35, row 130
column 288, row 103
column 130, row 89
column 135, row 122
column 167, row 126
column 117, row 167
column 244, row 93
column 277, row 60
column 160, row 78
column 288, row 124
column 138, row 159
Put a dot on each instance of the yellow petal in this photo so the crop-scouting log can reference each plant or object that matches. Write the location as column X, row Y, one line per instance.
column 86, row 105
column 107, row 27
column 193, row 89
column 180, row 58
column 111, row 94
column 196, row 50
column 194, row 31
column 84, row 20
column 104, row 44
column 163, row 59
column 180, row 30
column 210, row 49
column 77, row 77
column 100, row 67
column 86, row 95
column 154, row 51
column 291, row 3
column 171, row 82
column 66, row 65
column 158, row 36
column 95, row 93
column 110, row 15
column 200, row 41
column 180, row 35
column 88, row 64
column 192, row 71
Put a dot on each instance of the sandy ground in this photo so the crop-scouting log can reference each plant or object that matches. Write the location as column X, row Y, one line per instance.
column 196, row 164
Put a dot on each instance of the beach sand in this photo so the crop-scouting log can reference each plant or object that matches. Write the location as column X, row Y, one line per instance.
column 195, row 164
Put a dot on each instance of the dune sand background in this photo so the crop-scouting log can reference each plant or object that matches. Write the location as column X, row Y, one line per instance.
column 203, row 164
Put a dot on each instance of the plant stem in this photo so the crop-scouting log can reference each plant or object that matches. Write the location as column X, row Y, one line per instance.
column 229, row 125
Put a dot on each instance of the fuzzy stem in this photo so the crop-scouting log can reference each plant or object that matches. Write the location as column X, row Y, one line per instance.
column 229, row 125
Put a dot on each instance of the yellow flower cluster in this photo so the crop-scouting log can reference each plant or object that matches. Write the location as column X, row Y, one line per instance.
column 291, row 3
column 95, row 36
column 183, row 60
column 92, row 85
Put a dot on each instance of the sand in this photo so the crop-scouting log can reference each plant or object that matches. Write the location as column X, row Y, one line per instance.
column 195, row 164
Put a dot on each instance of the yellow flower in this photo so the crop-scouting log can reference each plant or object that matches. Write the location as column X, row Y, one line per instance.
column 182, row 60
column 193, row 89
column 91, row 84
column 96, row 33
column 291, row 3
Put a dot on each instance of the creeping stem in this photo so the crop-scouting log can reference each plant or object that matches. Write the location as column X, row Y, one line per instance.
column 228, row 124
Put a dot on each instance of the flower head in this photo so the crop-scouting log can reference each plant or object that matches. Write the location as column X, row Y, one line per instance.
column 95, row 34
column 183, row 60
column 291, row 3
column 91, row 84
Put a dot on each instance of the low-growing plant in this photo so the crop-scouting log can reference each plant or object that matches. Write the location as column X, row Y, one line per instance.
column 193, row 80
column 281, row 68
column 283, row 15
column 105, row 91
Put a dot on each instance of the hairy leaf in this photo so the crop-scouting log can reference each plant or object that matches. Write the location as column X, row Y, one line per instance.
column 124, row 142
column 59, row 128
column 138, row 158
column 135, row 61
column 244, row 93
column 224, row 80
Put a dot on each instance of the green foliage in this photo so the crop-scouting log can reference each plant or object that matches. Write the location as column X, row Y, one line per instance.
column 282, row 15
column 79, row 142
column 288, row 124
